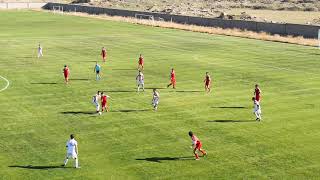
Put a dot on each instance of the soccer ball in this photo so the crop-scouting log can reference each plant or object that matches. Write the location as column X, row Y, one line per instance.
column 100, row 113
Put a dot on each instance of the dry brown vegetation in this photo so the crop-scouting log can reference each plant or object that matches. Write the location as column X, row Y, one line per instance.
column 210, row 30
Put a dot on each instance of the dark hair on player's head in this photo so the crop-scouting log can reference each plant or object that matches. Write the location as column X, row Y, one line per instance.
column 253, row 98
column 72, row 136
column 207, row 72
column 190, row 133
column 65, row 65
column 101, row 92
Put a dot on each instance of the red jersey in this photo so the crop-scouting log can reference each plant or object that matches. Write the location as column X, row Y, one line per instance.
column 208, row 79
column 66, row 71
column 103, row 52
column 140, row 60
column 104, row 99
column 195, row 140
column 257, row 92
column 173, row 75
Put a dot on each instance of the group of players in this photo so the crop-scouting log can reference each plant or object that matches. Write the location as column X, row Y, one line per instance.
column 72, row 146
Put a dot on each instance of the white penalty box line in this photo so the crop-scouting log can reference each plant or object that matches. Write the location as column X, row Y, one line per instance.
column 7, row 85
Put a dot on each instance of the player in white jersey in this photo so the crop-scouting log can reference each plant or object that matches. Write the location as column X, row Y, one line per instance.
column 256, row 109
column 140, row 81
column 95, row 101
column 155, row 99
column 72, row 151
column 40, row 51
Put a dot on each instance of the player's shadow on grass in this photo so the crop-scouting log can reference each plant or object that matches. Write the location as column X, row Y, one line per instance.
column 44, row 83
column 79, row 112
column 230, row 121
column 37, row 167
column 160, row 159
column 131, row 110
column 230, row 107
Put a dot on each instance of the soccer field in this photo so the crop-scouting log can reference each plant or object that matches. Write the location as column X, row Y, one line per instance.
column 38, row 111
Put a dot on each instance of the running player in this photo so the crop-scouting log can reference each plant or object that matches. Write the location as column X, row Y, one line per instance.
column 140, row 63
column 207, row 83
column 104, row 102
column 155, row 99
column 104, row 54
column 256, row 109
column 172, row 79
column 257, row 93
column 40, row 51
column 196, row 145
column 97, row 69
column 140, row 81
column 72, row 151
column 66, row 73
column 95, row 101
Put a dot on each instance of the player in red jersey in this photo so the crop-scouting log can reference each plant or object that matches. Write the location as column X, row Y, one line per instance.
column 104, row 54
column 257, row 93
column 172, row 79
column 140, row 62
column 207, row 83
column 66, row 73
column 196, row 145
column 104, row 102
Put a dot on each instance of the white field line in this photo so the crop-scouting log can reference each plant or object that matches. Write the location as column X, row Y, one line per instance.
column 8, row 83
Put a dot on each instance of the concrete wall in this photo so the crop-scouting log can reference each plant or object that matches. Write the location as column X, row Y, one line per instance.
column 11, row 5
column 307, row 31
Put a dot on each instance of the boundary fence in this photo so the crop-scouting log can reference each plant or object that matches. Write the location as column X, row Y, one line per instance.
column 307, row 31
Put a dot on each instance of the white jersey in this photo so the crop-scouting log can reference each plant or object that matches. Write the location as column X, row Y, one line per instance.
column 140, row 77
column 71, row 146
column 95, row 99
column 155, row 98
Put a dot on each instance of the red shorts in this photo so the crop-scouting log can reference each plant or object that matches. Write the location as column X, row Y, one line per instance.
column 207, row 83
column 258, row 98
column 173, row 81
column 198, row 146
column 66, row 75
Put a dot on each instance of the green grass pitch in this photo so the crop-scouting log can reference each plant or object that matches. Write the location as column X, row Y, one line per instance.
column 38, row 111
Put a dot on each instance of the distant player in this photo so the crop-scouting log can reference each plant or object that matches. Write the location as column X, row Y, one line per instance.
column 104, row 54
column 141, row 63
column 257, row 93
column 256, row 109
column 72, row 151
column 104, row 102
column 196, row 145
column 40, row 51
column 140, row 81
column 66, row 73
column 207, row 83
column 155, row 99
column 172, row 79
column 97, row 69
column 95, row 101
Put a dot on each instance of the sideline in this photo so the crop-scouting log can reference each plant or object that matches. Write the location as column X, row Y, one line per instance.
column 8, row 83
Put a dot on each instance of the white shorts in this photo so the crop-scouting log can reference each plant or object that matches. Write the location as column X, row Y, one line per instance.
column 140, row 83
column 72, row 155
column 155, row 102
column 257, row 111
